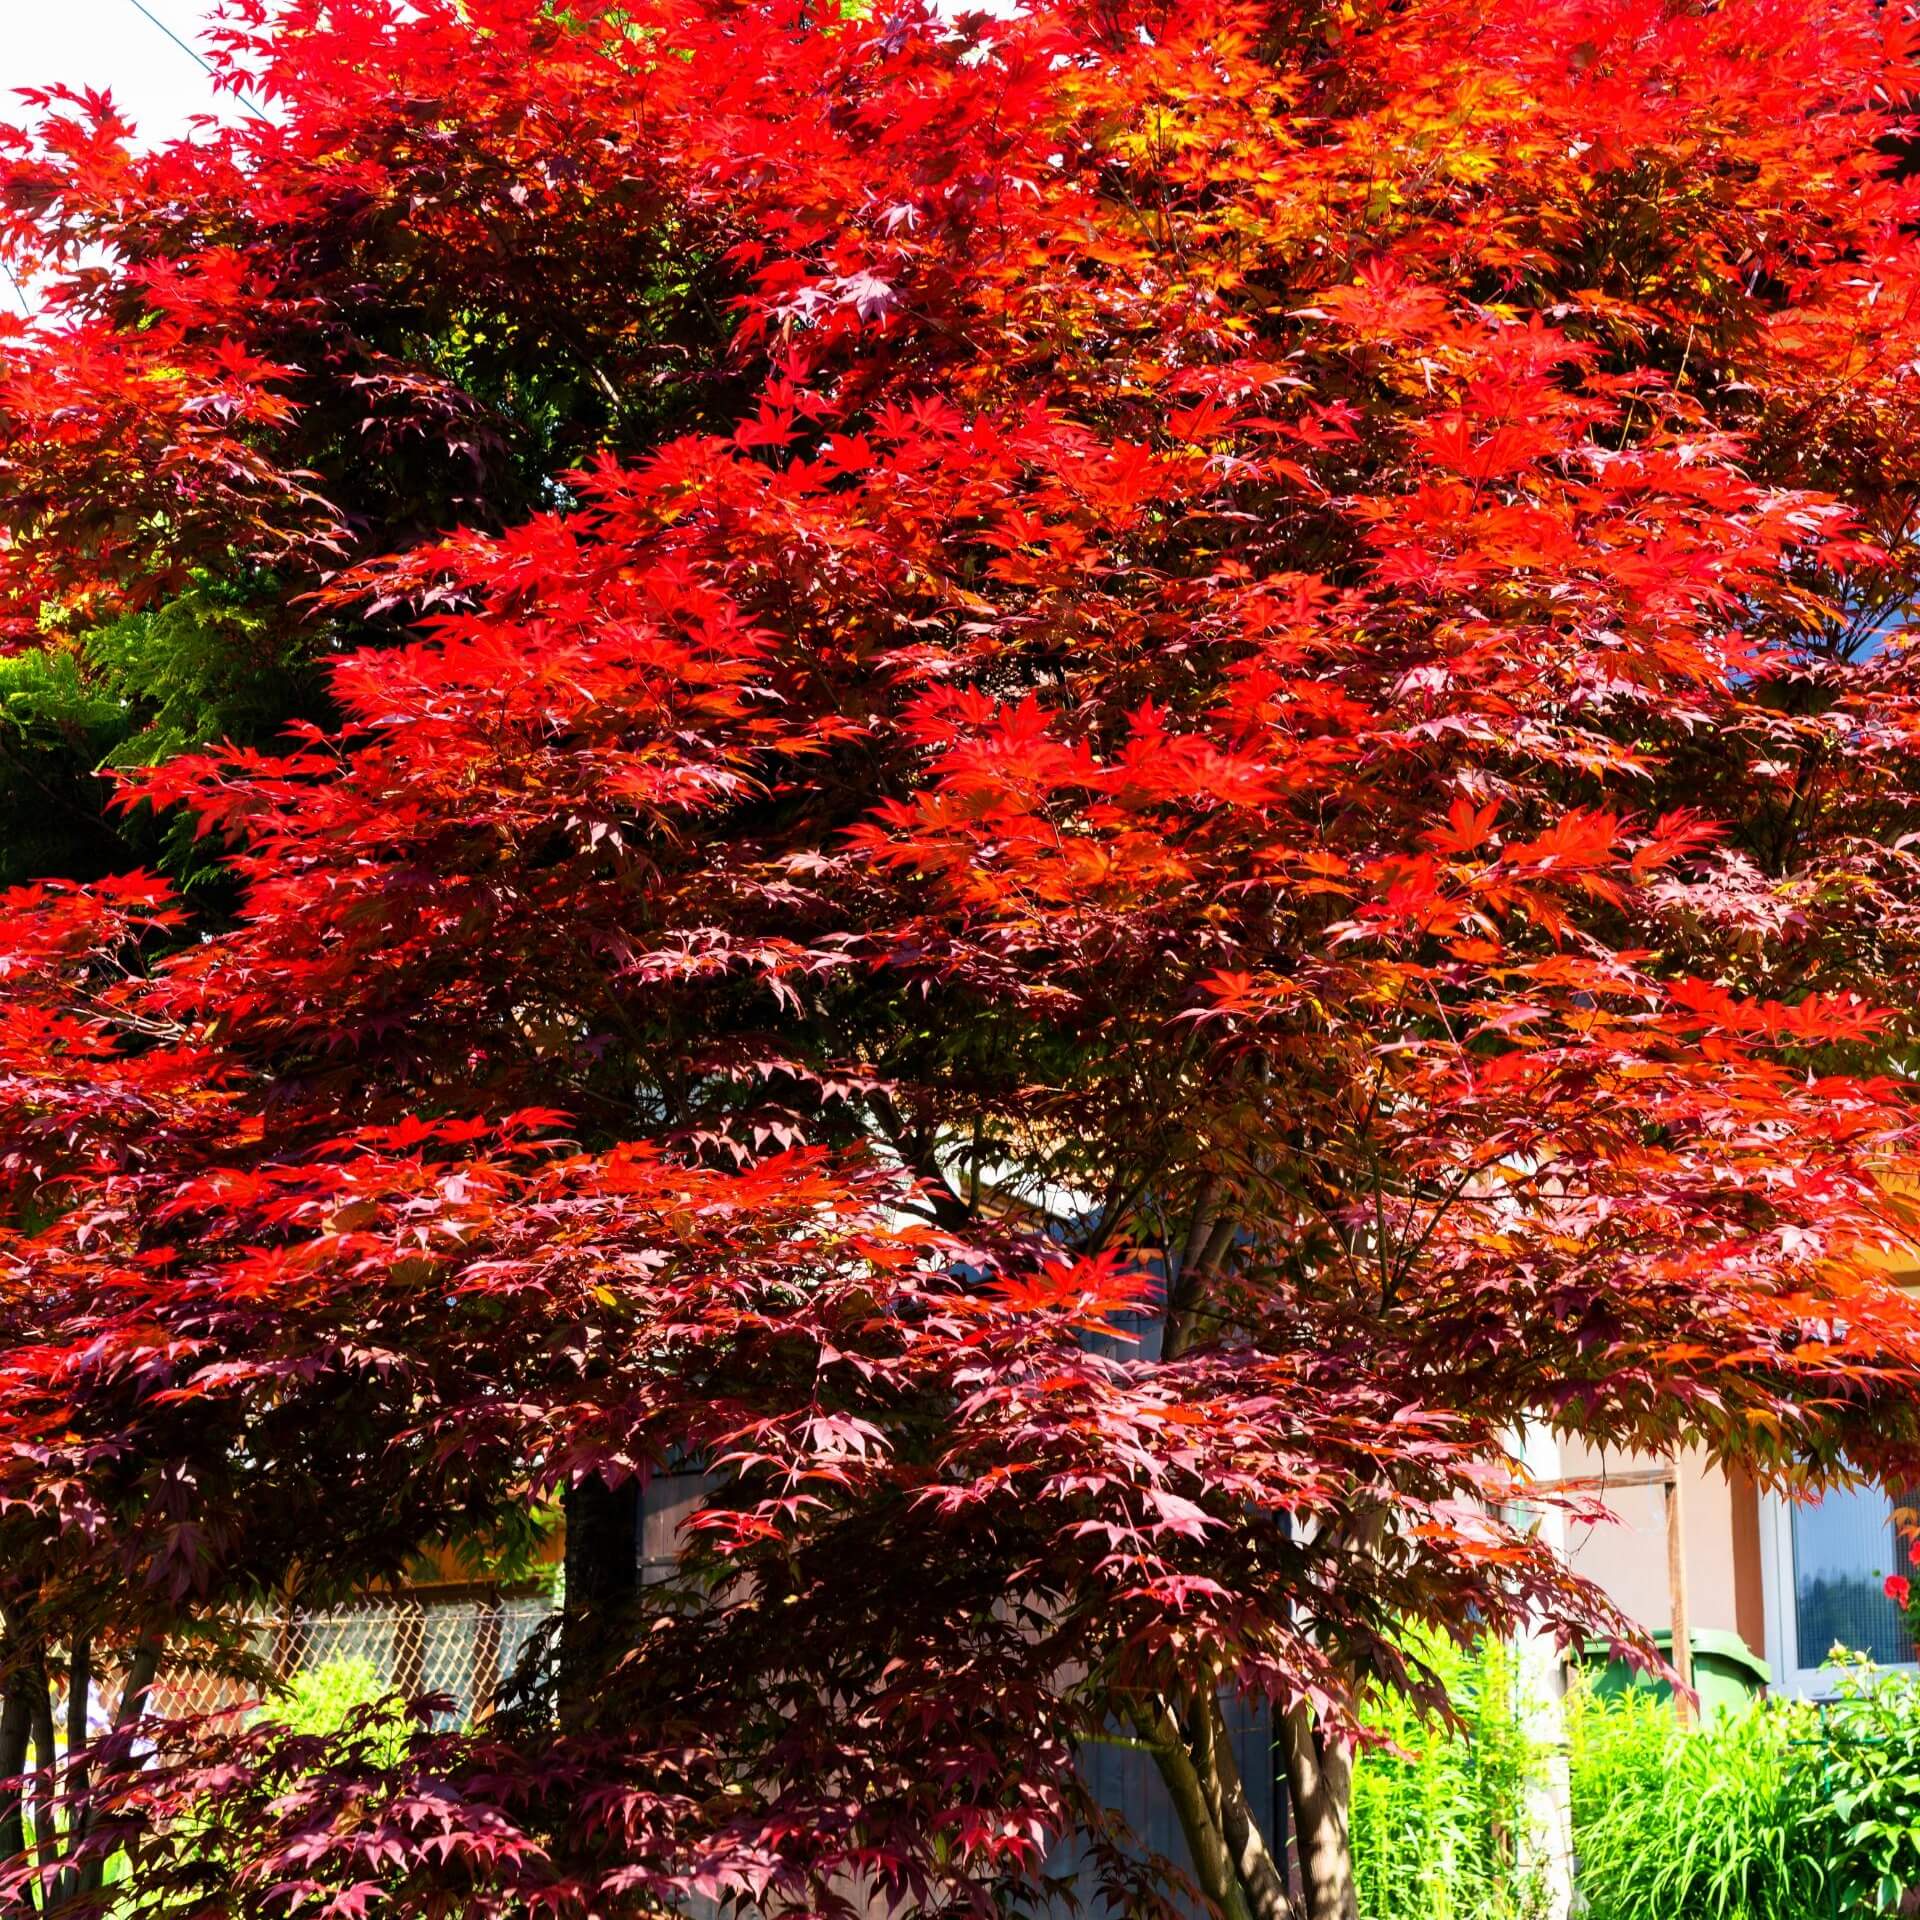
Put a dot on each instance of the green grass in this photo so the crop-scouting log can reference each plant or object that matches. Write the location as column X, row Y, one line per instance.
column 1712, row 1825
column 1783, row 1811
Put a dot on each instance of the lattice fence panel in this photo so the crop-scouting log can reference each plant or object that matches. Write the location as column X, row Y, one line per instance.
column 464, row 1648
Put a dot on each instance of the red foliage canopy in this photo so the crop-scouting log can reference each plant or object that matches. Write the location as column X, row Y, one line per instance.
column 1232, row 674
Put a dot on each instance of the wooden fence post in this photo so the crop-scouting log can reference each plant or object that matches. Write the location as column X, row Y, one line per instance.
column 1677, row 1596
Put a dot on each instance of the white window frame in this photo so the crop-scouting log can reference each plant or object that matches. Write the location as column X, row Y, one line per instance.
column 1782, row 1616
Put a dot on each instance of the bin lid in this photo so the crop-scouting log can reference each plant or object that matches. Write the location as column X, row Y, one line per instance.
column 1718, row 1642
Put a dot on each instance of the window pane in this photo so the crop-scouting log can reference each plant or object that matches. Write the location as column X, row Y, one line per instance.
column 1843, row 1548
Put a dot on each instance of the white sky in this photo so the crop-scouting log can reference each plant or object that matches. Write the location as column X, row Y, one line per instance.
column 108, row 44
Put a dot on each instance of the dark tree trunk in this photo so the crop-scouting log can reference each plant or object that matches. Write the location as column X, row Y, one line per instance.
column 1237, row 1869
column 79, row 1703
column 603, row 1582
column 136, row 1690
column 1262, row 1877
column 16, row 1731
column 46, row 1838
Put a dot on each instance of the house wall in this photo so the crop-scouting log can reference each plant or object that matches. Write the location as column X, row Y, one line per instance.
column 1721, row 1539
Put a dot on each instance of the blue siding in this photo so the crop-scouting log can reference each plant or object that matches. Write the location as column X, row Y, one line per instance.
column 1125, row 1779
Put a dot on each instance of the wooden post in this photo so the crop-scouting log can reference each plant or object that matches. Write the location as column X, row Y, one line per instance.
column 409, row 1671
column 1677, row 1595
column 487, row 1621
column 1667, row 1478
column 287, row 1636
column 286, row 1642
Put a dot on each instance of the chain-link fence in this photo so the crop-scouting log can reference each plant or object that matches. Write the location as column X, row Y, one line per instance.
column 462, row 1644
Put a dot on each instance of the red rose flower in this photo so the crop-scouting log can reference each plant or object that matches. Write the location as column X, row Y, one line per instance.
column 1899, row 1590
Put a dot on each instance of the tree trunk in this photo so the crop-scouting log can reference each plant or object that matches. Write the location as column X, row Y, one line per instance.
column 1320, row 1782
column 1199, row 1769
column 79, row 1701
column 603, row 1582
column 1209, row 1241
column 1236, row 1868
column 1199, row 1824
column 16, row 1731
column 46, row 1834
column 1260, row 1874
column 135, row 1691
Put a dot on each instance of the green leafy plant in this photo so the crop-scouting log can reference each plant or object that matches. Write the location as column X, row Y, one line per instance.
column 1439, row 1812
column 219, row 661
column 345, row 1696
column 1865, row 1795
column 323, row 1699
column 1788, row 1810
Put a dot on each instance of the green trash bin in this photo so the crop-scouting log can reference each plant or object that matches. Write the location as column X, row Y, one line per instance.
column 1726, row 1674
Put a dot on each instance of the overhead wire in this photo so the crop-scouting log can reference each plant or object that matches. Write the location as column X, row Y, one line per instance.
column 193, row 53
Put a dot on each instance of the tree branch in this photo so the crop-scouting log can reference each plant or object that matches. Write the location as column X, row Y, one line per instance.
column 1206, row 1845
column 1260, row 1874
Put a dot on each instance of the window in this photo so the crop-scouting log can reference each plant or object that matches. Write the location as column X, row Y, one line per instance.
column 1830, row 1560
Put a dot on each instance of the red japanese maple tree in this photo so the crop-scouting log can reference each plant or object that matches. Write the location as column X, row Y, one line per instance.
column 1198, row 788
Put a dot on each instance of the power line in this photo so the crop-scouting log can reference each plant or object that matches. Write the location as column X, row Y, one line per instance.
column 193, row 53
